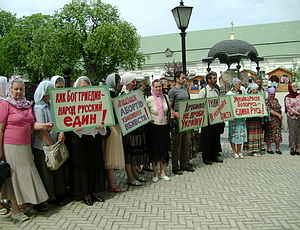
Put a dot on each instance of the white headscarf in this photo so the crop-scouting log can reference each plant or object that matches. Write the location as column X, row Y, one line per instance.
column 251, row 87
column 80, row 79
column 42, row 90
column 126, row 79
column 3, row 87
column 55, row 78
column 90, row 131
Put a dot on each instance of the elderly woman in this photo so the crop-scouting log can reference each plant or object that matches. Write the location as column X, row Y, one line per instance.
column 254, row 129
column 58, row 81
column 157, row 132
column 114, row 153
column 237, row 129
column 292, row 110
column 89, row 169
column 53, row 180
column 135, row 148
column 273, row 127
column 16, row 123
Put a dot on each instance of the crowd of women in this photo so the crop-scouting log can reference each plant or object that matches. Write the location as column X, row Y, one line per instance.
column 95, row 153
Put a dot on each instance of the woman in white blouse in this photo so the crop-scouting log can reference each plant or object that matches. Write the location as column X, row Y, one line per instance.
column 157, row 132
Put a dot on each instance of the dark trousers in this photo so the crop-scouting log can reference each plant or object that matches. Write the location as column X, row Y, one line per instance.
column 180, row 149
column 211, row 144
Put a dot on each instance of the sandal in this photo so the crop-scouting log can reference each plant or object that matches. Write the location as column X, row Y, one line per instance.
column 20, row 216
column 28, row 210
column 134, row 183
column 241, row 156
column 4, row 211
column 236, row 156
column 117, row 189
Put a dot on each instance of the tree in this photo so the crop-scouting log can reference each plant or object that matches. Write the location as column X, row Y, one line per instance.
column 7, row 22
column 105, row 42
column 172, row 67
column 295, row 69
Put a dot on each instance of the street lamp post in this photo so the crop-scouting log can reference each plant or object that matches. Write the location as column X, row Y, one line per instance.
column 182, row 16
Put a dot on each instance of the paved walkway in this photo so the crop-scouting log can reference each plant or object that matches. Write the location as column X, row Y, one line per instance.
column 251, row 193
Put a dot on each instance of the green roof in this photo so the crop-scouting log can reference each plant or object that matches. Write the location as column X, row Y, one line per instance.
column 273, row 40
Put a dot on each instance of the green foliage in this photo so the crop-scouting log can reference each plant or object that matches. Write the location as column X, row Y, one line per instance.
column 296, row 72
column 89, row 37
column 7, row 21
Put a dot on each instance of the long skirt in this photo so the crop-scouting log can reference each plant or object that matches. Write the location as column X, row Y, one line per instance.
column 158, row 142
column 294, row 133
column 89, row 169
column 25, row 184
column 237, row 131
column 135, row 147
column 254, row 133
column 114, row 153
column 273, row 131
column 53, row 180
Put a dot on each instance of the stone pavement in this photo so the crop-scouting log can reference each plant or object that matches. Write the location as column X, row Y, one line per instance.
column 251, row 193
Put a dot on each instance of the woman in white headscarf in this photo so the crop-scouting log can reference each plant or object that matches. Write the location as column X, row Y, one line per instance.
column 114, row 152
column 3, row 85
column 52, row 180
column 254, row 129
column 58, row 81
column 135, row 148
column 237, row 130
column 89, row 169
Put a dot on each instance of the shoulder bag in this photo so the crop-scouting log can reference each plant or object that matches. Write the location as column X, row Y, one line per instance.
column 173, row 122
column 55, row 155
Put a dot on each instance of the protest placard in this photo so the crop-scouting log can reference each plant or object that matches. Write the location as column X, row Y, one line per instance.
column 193, row 114
column 248, row 105
column 132, row 111
column 219, row 109
column 84, row 107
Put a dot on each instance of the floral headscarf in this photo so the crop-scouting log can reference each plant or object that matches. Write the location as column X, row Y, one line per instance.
column 234, row 81
column 251, row 87
column 18, row 103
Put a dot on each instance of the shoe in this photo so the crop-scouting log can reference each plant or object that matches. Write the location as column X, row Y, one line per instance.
column 257, row 154
column 241, row 156
column 4, row 211
column 88, row 201
column 278, row 152
column 28, row 210
column 297, row 153
column 177, row 172
column 188, row 169
column 134, row 183
column 292, row 153
column 141, row 179
column 57, row 202
column 148, row 169
column 41, row 207
column 218, row 160
column 117, row 189
column 166, row 178
column 155, row 179
column 262, row 149
column 20, row 216
column 270, row 152
column 236, row 156
column 140, row 172
column 98, row 198
column 207, row 162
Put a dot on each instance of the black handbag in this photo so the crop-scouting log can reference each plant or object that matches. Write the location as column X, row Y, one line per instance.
column 173, row 122
column 4, row 172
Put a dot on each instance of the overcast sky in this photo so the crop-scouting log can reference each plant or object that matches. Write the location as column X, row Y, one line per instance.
column 154, row 17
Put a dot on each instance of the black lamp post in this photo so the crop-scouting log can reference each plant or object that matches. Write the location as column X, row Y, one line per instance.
column 182, row 16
